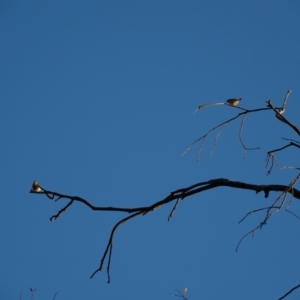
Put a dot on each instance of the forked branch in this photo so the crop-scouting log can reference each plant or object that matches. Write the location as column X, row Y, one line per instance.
column 275, row 207
column 220, row 126
column 176, row 196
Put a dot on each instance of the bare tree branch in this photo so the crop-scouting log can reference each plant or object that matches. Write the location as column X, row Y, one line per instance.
column 297, row 142
column 292, row 214
column 272, row 209
column 180, row 193
column 270, row 154
column 284, row 102
column 221, row 125
column 216, row 139
column 110, row 246
column 176, row 196
column 241, row 139
column 173, row 209
column 273, row 160
column 208, row 104
column 290, row 291
column 280, row 117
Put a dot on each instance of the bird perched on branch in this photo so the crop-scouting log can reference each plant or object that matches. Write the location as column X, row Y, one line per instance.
column 234, row 102
column 36, row 187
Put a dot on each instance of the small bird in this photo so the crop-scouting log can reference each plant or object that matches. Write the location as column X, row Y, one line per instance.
column 36, row 187
column 234, row 102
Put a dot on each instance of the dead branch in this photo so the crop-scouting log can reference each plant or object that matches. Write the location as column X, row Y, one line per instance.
column 280, row 117
column 272, row 209
column 293, row 214
column 221, row 126
column 285, row 100
column 284, row 147
column 279, row 114
column 177, row 195
column 270, row 154
column 290, row 291
column 109, row 247
column 229, row 102
column 241, row 139
column 297, row 142
column 180, row 193
column 273, row 160
column 208, row 104
column 216, row 139
column 173, row 209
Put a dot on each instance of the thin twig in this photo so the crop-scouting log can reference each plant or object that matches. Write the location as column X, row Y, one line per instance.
column 271, row 210
column 216, row 139
column 292, row 140
column 208, row 104
column 173, row 209
column 292, row 214
column 251, row 212
column 284, row 101
column 241, row 139
column 55, row 217
column 273, row 159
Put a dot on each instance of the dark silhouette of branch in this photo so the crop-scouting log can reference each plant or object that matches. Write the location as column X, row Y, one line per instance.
column 55, row 217
column 110, row 246
column 297, row 142
column 173, row 209
column 180, row 193
column 270, row 154
column 177, row 195
column 284, row 147
column 289, row 292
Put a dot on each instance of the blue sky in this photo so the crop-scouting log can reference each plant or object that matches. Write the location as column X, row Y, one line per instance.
column 97, row 100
